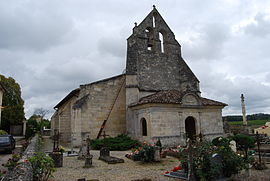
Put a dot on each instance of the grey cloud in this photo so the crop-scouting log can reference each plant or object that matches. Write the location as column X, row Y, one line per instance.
column 207, row 42
column 33, row 28
column 261, row 28
column 112, row 45
column 217, row 86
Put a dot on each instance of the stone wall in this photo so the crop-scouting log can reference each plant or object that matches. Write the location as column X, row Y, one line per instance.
column 61, row 120
column 24, row 171
column 167, row 122
column 93, row 106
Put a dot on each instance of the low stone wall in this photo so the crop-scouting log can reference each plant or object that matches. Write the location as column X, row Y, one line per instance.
column 24, row 171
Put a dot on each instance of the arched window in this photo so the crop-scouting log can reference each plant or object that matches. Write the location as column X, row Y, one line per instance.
column 144, row 126
column 161, row 38
column 154, row 22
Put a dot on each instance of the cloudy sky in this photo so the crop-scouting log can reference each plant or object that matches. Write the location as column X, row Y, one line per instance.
column 51, row 47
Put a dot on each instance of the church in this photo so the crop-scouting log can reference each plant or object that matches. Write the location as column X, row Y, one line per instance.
column 158, row 96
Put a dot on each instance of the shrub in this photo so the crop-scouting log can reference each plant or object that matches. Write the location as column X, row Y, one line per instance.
column 12, row 162
column 43, row 166
column 32, row 127
column 121, row 142
column 220, row 141
column 147, row 153
column 206, row 168
column 3, row 132
column 244, row 142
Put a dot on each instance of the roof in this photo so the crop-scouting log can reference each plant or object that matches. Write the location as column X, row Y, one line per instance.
column 104, row 80
column 173, row 97
column 69, row 96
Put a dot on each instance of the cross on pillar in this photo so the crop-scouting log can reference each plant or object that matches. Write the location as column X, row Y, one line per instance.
column 258, row 144
column 191, row 175
column 56, row 138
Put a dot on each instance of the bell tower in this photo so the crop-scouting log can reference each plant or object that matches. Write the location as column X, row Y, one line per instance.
column 154, row 57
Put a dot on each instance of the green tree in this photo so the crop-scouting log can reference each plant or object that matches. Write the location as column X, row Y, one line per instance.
column 32, row 126
column 244, row 142
column 13, row 112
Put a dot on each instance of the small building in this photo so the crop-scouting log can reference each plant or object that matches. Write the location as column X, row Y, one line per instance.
column 263, row 129
column 157, row 98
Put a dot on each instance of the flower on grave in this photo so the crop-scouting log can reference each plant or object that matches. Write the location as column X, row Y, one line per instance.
column 176, row 168
column 166, row 172
column 61, row 149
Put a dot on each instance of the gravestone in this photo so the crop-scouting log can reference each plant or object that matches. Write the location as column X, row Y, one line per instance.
column 56, row 155
column 104, row 152
column 233, row 145
column 88, row 156
column 180, row 174
column 216, row 161
column 81, row 179
column 157, row 154
column 83, row 150
column 104, row 155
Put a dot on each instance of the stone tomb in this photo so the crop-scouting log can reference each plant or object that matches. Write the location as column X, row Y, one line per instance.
column 105, row 156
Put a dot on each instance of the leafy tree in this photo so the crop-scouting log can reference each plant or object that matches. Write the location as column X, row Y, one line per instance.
column 41, row 113
column 35, row 124
column 2, row 132
column 244, row 142
column 13, row 112
column 32, row 127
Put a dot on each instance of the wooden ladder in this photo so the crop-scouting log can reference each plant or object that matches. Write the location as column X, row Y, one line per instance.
column 110, row 111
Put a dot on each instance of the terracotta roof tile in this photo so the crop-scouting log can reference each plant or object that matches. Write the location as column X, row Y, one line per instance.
column 172, row 97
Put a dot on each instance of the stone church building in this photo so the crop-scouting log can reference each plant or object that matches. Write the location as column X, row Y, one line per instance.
column 157, row 98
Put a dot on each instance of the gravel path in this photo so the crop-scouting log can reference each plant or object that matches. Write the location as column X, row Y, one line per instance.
column 130, row 170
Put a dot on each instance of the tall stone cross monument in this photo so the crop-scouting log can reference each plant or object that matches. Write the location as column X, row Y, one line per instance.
column 243, row 110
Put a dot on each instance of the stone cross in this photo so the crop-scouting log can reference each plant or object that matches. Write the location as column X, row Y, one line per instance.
column 243, row 110
column 88, row 156
column 191, row 175
column 88, row 145
column 56, row 138
column 258, row 144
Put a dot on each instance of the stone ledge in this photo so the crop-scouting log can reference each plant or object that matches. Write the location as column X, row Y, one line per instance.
column 24, row 171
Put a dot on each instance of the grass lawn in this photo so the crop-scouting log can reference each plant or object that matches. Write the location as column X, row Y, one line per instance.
column 250, row 122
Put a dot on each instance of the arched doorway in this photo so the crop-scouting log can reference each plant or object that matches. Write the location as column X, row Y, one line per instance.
column 190, row 127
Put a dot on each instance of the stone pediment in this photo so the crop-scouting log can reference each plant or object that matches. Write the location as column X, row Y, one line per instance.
column 190, row 99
